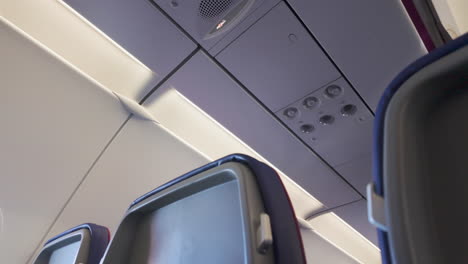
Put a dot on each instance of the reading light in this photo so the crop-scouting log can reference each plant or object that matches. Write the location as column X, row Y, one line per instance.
column 291, row 112
column 333, row 91
column 221, row 24
column 311, row 102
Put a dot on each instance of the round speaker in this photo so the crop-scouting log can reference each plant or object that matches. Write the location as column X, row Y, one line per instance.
column 213, row 8
column 218, row 16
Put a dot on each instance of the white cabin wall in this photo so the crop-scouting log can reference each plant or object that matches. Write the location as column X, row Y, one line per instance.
column 55, row 122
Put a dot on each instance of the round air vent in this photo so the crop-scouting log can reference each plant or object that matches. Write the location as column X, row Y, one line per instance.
column 213, row 8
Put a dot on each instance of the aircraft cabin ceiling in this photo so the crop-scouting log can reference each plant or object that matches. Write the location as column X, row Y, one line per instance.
column 100, row 96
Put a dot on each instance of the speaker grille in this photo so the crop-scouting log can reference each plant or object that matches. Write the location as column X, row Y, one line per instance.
column 213, row 8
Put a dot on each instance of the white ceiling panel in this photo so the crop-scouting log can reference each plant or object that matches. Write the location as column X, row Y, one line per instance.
column 206, row 85
column 321, row 251
column 345, row 235
column 370, row 41
column 142, row 30
column 55, row 122
column 278, row 60
column 355, row 214
column 358, row 172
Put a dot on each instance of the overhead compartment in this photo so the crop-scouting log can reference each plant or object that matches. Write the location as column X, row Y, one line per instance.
column 142, row 30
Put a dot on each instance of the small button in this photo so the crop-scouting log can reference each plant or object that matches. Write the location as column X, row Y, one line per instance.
column 307, row 129
column 174, row 3
column 348, row 110
column 292, row 37
column 326, row 120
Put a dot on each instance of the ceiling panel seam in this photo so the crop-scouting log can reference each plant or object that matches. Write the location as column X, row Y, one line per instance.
column 316, row 214
column 328, row 56
column 173, row 21
column 77, row 187
column 353, row 159
column 169, row 75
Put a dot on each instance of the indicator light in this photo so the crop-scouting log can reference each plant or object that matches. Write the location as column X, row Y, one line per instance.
column 221, row 24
